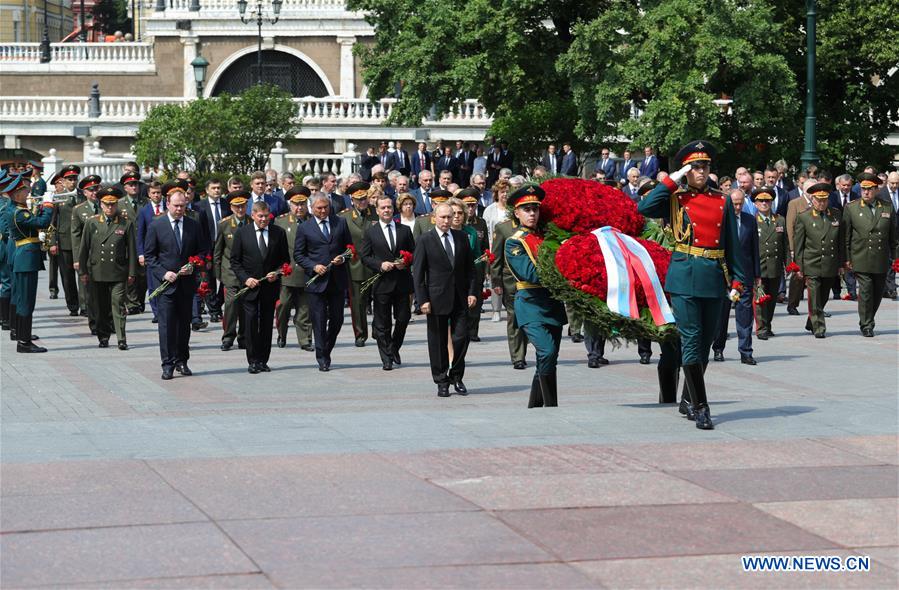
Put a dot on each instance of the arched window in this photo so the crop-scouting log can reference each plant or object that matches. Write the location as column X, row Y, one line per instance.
column 278, row 68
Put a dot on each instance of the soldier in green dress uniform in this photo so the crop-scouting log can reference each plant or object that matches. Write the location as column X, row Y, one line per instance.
column 706, row 263
column 6, row 206
column 536, row 312
column 871, row 246
column 772, row 254
column 129, row 205
column 818, row 250
column 293, row 292
column 81, row 213
column 24, row 255
column 504, row 285
column 107, row 261
column 480, row 243
column 424, row 223
column 61, row 244
column 38, row 184
column 359, row 218
column 221, row 260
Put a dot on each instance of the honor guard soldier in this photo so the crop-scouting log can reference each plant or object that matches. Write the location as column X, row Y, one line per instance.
column 536, row 312
column 88, row 186
column 359, row 218
column 480, row 244
column 504, row 285
column 108, row 263
column 6, row 207
column 425, row 223
column 772, row 254
column 38, row 184
column 705, row 265
column 293, row 292
column 25, row 226
column 818, row 250
column 221, row 260
column 871, row 247
column 58, row 185
column 61, row 245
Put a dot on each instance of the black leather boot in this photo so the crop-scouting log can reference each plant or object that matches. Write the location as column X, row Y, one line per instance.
column 686, row 400
column 668, row 378
column 4, row 313
column 550, row 393
column 694, row 376
column 24, row 341
column 536, row 399
column 13, row 323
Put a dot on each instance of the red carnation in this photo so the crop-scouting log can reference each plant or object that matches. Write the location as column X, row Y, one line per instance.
column 491, row 257
column 763, row 299
column 792, row 267
column 485, row 294
column 196, row 261
column 580, row 206
column 847, row 297
column 896, row 265
column 352, row 250
column 407, row 257
column 203, row 290
column 286, row 269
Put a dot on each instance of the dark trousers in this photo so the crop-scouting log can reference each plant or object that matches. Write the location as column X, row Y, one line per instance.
column 136, row 292
column 109, row 299
column 232, row 322
column 216, row 293
column 258, row 318
column 326, row 313
column 294, row 299
column 870, row 294
column 818, row 293
column 797, row 286
column 546, row 339
column 644, row 347
column 456, row 325
column 518, row 340
column 174, row 311
column 851, row 286
column 764, row 313
column 697, row 323
column 743, row 318
column 53, row 271
column 69, row 281
column 152, row 283
column 24, row 292
column 389, row 307
column 593, row 342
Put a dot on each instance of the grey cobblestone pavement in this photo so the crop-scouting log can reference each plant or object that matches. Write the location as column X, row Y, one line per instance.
column 113, row 478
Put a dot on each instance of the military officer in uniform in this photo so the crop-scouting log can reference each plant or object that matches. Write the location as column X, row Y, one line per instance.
column 359, row 218
column 25, row 226
column 221, row 260
column 129, row 205
column 772, row 253
column 58, row 185
column 88, row 186
column 705, row 265
column 425, row 223
column 818, row 250
column 481, row 244
column 504, row 285
column 293, row 292
column 61, row 244
column 871, row 242
column 6, row 206
column 107, row 261
column 536, row 312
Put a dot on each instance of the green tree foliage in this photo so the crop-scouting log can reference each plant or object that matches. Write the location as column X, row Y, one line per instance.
column 550, row 71
column 110, row 16
column 225, row 134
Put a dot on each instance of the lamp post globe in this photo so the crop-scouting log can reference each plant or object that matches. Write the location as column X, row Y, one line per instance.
column 199, row 64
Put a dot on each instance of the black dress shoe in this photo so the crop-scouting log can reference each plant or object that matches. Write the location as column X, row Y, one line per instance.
column 577, row 338
column 123, row 346
column 719, row 356
column 593, row 363
column 644, row 359
column 819, row 335
column 827, row 314
column 520, row 365
column 762, row 335
column 282, row 342
column 215, row 318
column 74, row 313
column 868, row 333
column 104, row 342
column 460, row 388
column 387, row 365
column 184, row 369
column 83, row 313
column 360, row 342
column 396, row 359
column 308, row 348
column 197, row 326
column 443, row 390
column 686, row 408
column 475, row 339
column 227, row 345
column 93, row 331
column 792, row 310
column 29, row 347
column 154, row 321
column 168, row 373
column 252, row 369
column 748, row 360
column 54, row 296
column 263, row 367
column 704, row 420
column 324, row 368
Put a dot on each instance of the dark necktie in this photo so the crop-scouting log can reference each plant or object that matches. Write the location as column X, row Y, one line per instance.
column 96, row 208
column 325, row 230
column 449, row 248
column 263, row 249
column 216, row 213
column 178, row 234
column 108, row 221
column 390, row 237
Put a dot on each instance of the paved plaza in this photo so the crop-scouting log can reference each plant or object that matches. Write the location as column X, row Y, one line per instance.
column 112, row 478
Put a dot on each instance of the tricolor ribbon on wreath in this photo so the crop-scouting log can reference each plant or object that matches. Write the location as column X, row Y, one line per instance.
column 627, row 265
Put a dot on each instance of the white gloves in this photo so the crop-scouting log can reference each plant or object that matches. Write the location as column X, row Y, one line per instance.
column 734, row 295
column 676, row 176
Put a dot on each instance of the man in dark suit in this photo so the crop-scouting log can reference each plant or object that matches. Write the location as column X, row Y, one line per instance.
column 447, row 162
column 403, row 163
column 626, row 164
column 171, row 240
column 259, row 250
column 839, row 199
column 495, row 161
column 321, row 241
column 748, row 233
column 381, row 247
column 650, row 164
column 276, row 205
column 605, row 164
column 421, row 161
column 154, row 208
column 445, row 289
column 422, row 194
column 212, row 210
column 890, row 194
column 569, row 160
column 386, row 159
column 551, row 160
column 465, row 158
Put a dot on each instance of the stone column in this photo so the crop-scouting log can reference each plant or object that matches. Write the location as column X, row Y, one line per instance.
column 350, row 161
column 276, row 158
column 189, row 40
column 52, row 164
column 347, row 67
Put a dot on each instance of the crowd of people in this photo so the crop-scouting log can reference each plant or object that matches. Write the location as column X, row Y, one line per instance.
column 438, row 232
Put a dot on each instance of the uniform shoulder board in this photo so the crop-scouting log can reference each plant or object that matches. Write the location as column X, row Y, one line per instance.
column 715, row 191
column 283, row 215
column 519, row 234
column 97, row 216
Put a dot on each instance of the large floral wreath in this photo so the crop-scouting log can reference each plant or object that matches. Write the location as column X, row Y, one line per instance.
column 571, row 264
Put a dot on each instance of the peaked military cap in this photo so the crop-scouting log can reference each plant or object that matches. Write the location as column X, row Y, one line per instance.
column 91, row 182
column 764, row 193
column 110, row 194
column 179, row 184
column 820, row 190
column 440, row 195
column 469, row 195
column 129, row 177
column 70, row 170
column 646, row 187
column 14, row 181
column 298, row 194
column 238, row 197
column 357, row 190
column 527, row 194
column 696, row 151
column 35, row 164
column 868, row 180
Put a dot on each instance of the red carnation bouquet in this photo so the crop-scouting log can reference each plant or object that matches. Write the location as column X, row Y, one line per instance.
column 792, row 267
column 487, row 257
column 203, row 290
column 761, row 297
column 581, row 206
column 348, row 254
column 404, row 261
column 192, row 263
column 896, row 265
column 285, row 271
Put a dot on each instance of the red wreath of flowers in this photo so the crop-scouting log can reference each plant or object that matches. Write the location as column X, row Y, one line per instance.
column 580, row 206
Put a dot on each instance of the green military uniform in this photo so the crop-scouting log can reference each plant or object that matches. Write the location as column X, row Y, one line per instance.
column 108, row 257
column 705, row 265
column 358, row 222
column 536, row 312
column 6, row 207
column 480, row 243
column 772, row 257
column 501, row 276
column 221, row 262
column 871, row 246
column 62, row 239
column 293, row 292
column 818, row 250
column 79, row 218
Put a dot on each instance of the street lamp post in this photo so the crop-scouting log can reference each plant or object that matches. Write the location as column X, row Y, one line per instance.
column 259, row 17
column 810, row 153
column 82, row 34
column 45, row 39
column 199, row 65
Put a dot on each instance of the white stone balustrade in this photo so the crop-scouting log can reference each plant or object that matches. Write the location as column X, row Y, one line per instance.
column 230, row 6
column 79, row 57
column 315, row 164
column 54, row 108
